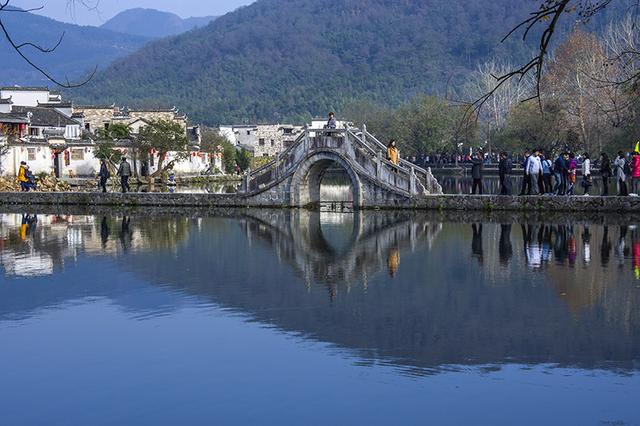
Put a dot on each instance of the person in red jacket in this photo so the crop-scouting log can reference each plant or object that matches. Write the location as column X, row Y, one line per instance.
column 635, row 173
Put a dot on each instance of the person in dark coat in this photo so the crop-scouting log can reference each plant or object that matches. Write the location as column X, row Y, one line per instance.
column 476, row 173
column 104, row 175
column 605, row 172
column 526, row 178
column 560, row 171
column 505, row 166
column 124, row 172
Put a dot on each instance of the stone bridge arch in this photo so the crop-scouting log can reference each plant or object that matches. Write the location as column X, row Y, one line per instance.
column 305, row 183
column 293, row 177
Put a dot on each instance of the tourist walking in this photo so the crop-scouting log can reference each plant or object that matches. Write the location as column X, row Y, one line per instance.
column 621, row 169
column 560, row 173
column 476, row 173
column 505, row 166
column 605, row 173
column 534, row 170
column 124, row 172
column 635, row 173
column 104, row 175
column 572, row 174
column 547, row 167
column 526, row 181
column 586, row 174
column 393, row 154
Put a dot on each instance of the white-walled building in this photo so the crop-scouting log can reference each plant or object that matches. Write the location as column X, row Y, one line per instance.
column 55, row 137
column 263, row 140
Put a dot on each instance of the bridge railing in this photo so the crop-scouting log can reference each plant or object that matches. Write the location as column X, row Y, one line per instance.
column 403, row 176
column 424, row 175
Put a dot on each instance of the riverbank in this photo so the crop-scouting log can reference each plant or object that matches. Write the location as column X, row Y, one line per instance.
column 433, row 202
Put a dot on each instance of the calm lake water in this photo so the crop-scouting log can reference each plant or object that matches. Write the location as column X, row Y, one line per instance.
column 290, row 317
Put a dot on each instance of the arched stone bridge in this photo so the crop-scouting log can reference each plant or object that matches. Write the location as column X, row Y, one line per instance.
column 294, row 177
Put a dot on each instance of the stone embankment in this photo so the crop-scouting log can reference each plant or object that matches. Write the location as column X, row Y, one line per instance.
column 434, row 202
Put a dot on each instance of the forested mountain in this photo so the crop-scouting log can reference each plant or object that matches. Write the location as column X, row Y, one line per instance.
column 153, row 23
column 286, row 59
column 82, row 48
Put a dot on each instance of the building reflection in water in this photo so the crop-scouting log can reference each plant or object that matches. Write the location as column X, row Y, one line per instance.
column 328, row 276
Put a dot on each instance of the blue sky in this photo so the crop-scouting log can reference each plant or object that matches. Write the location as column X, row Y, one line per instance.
column 106, row 9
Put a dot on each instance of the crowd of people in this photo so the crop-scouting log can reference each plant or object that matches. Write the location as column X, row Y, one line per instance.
column 544, row 174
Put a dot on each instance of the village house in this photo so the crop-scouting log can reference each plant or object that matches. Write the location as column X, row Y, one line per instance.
column 262, row 140
column 56, row 137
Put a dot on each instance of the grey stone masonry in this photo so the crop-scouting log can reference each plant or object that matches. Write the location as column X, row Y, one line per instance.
column 453, row 203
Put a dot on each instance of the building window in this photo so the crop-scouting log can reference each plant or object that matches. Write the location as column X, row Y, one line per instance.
column 288, row 131
column 87, row 127
column 248, row 132
column 34, row 131
column 273, row 143
column 77, row 154
column 31, row 154
column 261, row 141
column 106, row 126
column 265, row 155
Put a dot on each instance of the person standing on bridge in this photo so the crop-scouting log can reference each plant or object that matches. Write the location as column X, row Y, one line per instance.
column 331, row 123
column 393, row 154
column 124, row 172
column 476, row 173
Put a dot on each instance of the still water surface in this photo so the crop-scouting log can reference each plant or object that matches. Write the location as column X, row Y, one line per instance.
column 287, row 317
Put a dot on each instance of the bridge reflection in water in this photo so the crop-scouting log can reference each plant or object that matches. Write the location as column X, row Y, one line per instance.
column 421, row 291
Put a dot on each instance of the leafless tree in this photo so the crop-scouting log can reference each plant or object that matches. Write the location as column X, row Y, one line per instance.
column 502, row 100
column 22, row 48
column 545, row 21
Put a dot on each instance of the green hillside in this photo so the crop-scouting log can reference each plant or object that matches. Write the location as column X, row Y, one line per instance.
column 82, row 48
column 290, row 59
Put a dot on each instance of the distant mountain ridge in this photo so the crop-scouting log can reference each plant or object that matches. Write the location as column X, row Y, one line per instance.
column 82, row 49
column 153, row 23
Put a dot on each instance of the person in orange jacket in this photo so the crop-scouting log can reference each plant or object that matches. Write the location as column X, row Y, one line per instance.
column 22, row 177
column 393, row 154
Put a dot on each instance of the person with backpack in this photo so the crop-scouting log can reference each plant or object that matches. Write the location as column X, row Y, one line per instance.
column 104, row 175
column 622, row 170
column 586, row 174
column 605, row 173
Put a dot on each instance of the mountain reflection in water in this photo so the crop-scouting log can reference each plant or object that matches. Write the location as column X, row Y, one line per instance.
column 421, row 291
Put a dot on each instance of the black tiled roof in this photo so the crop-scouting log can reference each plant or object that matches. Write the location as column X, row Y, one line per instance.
column 13, row 118
column 48, row 117
column 25, row 89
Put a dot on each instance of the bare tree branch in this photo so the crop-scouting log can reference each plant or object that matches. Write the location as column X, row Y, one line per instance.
column 19, row 48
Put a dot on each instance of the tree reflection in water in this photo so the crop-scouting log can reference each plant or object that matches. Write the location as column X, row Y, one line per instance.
column 392, row 286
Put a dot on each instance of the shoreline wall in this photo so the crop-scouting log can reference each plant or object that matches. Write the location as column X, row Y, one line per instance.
column 485, row 203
